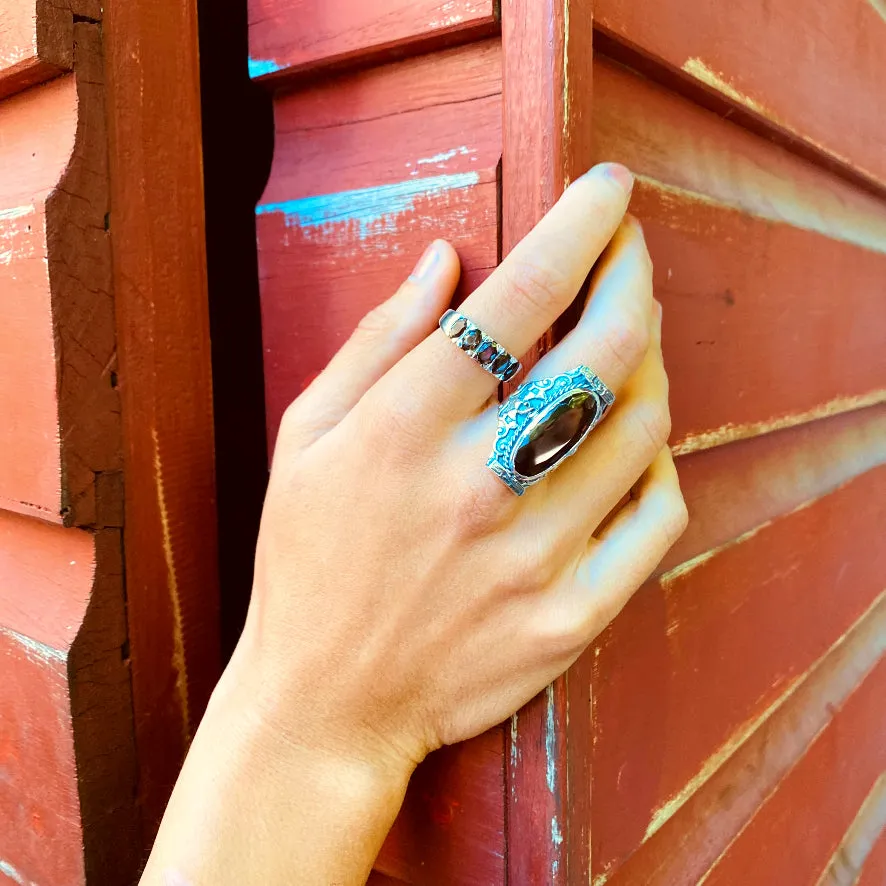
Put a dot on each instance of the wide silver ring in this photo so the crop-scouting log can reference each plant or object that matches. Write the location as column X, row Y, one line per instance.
column 480, row 347
column 544, row 422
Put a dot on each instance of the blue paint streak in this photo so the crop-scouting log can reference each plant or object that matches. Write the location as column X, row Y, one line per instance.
column 262, row 67
column 373, row 209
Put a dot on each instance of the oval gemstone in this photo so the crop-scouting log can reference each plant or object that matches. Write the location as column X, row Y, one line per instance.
column 471, row 340
column 556, row 433
column 457, row 327
column 500, row 362
column 486, row 354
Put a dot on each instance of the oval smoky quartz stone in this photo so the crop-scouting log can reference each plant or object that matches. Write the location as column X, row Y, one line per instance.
column 558, row 429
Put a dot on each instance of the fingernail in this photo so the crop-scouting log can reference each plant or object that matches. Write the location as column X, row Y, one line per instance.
column 426, row 264
column 621, row 175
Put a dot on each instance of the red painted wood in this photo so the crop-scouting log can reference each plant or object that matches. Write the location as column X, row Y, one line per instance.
column 39, row 805
column 730, row 490
column 293, row 35
column 38, row 131
column 755, row 242
column 798, row 829
column 162, row 311
column 874, row 871
column 814, row 73
column 547, row 94
column 420, row 142
column 710, row 650
column 703, row 828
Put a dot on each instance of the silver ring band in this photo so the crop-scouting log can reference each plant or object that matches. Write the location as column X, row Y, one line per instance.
column 544, row 422
column 480, row 347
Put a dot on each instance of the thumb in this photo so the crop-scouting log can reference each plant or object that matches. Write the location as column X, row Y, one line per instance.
column 383, row 336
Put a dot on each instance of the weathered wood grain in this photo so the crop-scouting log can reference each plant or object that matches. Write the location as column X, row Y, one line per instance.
column 775, row 601
column 702, row 829
column 65, row 601
column 547, row 72
column 295, row 35
column 821, row 801
column 815, row 75
column 163, row 337
column 38, row 134
column 368, row 169
column 730, row 490
column 750, row 245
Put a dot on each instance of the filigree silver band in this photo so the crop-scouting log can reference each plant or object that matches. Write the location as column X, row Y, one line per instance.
column 545, row 421
column 480, row 347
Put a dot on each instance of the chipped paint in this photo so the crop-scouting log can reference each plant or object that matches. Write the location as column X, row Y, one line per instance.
column 567, row 102
column 515, row 748
column 374, row 210
column 715, row 761
column 550, row 741
column 696, row 68
column 179, row 660
column 847, row 863
column 15, row 212
column 259, row 67
column 729, row 433
column 9, row 871
column 34, row 649
column 745, row 187
column 463, row 151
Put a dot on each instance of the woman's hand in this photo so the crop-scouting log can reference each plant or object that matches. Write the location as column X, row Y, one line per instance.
column 404, row 597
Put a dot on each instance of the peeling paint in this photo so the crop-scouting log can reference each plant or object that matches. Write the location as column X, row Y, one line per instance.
column 34, row 649
column 715, row 761
column 15, row 212
column 774, row 198
column 696, row 68
column 463, row 151
column 9, row 871
column 550, row 741
column 179, row 660
column 262, row 67
column 374, row 210
column 731, row 432
column 847, row 863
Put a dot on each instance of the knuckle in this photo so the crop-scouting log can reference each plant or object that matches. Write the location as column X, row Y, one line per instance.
column 626, row 340
column 376, row 323
column 536, row 286
column 653, row 423
column 675, row 518
column 483, row 509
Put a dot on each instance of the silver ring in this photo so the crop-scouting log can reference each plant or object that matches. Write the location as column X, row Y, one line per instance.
column 476, row 344
column 545, row 421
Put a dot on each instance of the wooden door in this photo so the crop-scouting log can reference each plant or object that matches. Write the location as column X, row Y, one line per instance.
column 730, row 726
column 107, row 545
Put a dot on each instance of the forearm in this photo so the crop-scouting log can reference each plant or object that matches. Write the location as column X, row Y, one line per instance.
column 254, row 806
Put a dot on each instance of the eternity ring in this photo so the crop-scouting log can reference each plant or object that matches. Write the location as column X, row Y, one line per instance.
column 476, row 344
column 543, row 422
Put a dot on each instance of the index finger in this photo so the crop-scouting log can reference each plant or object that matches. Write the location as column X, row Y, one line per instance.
column 523, row 297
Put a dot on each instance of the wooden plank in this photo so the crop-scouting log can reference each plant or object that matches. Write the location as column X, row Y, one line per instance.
column 776, row 601
column 748, row 253
column 38, row 133
column 732, row 489
column 163, row 337
column 367, row 170
column 37, row 40
column 451, row 828
column 295, row 35
column 831, row 792
column 701, row 831
column 816, row 77
column 66, row 617
column 39, row 806
column 547, row 71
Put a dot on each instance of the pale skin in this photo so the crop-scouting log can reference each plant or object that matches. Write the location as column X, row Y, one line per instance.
column 404, row 598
